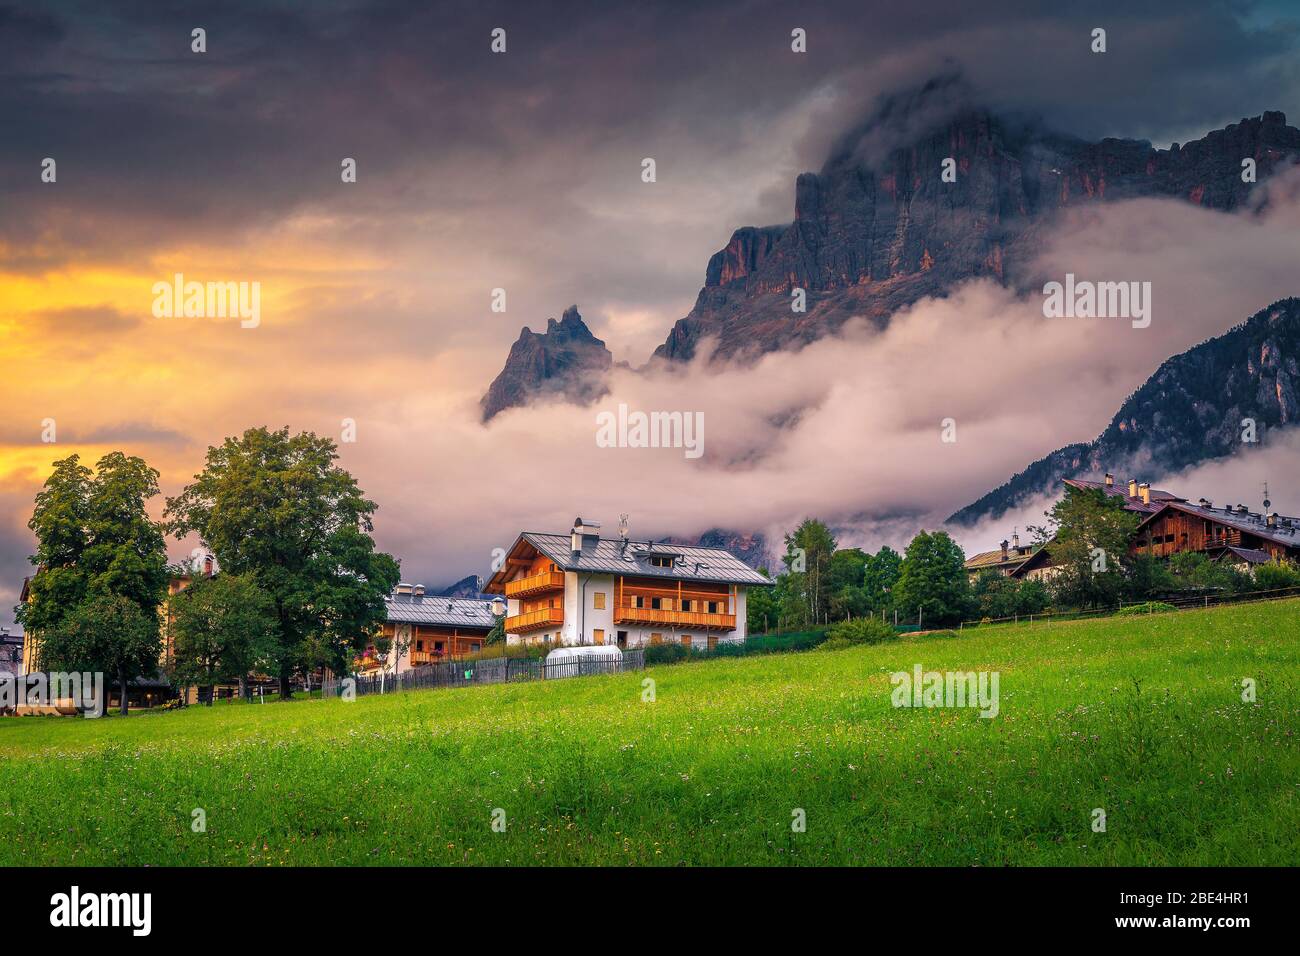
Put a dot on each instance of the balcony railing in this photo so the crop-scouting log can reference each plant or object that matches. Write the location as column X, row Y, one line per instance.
column 626, row 614
column 534, row 620
column 535, row 584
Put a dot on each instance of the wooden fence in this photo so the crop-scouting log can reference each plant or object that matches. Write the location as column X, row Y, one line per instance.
column 492, row 670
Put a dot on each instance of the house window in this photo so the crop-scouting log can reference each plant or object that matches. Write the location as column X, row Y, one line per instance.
column 622, row 638
column 437, row 647
column 686, row 640
column 598, row 636
column 656, row 638
column 419, row 645
column 655, row 603
column 474, row 647
column 598, row 600
column 661, row 561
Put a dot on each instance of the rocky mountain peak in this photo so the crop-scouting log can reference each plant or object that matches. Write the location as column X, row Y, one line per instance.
column 566, row 361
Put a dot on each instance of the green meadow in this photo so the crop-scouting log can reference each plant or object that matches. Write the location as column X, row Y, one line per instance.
column 1141, row 717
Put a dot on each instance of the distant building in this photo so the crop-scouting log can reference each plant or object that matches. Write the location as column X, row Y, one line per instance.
column 428, row 629
column 11, row 650
column 1169, row 525
column 579, row 588
column 1005, row 561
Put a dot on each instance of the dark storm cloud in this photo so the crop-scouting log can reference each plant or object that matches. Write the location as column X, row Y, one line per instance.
column 155, row 143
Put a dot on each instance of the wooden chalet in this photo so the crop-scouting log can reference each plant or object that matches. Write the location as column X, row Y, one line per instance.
column 1170, row 524
column 580, row 588
column 429, row 628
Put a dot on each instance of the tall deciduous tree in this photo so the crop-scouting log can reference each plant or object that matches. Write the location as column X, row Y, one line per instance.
column 932, row 584
column 276, row 507
column 108, row 633
column 879, row 577
column 1090, row 534
column 808, row 557
column 96, row 543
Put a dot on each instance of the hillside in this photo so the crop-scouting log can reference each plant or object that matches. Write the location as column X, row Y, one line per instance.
column 1189, row 411
column 1142, row 717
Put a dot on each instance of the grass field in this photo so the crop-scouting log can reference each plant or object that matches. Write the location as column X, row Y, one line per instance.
column 712, row 771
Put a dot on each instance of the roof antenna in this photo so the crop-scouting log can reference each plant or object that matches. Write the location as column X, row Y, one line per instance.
column 622, row 527
column 1267, row 504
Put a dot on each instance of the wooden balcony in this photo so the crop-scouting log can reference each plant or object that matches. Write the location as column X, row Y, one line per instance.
column 535, row 620
column 687, row 619
column 535, row 584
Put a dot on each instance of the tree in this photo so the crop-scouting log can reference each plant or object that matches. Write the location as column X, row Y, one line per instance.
column 844, row 583
column 808, row 556
column 95, row 542
column 879, row 576
column 932, row 582
column 1091, row 535
column 277, row 507
column 108, row 633
column 761, row 608
column 999, row 596
column 224, row 630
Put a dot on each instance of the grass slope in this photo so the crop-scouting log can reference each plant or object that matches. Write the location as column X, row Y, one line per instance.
column 711, row 772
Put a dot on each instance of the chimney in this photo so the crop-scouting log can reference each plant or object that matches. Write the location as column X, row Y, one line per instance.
column 1132, row 487
column 207, row 566
column 417, row 592
column 1145, row 491
column 404, row 588
column 1004, row 549
column 575, row 536
column 1272, row 519
column 1242, row 509
column 1110, row 480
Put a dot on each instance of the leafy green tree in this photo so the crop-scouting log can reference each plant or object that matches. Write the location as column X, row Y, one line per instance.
column 932, row 583
column 276, row 507
column 1277, row 575
column 96, row 541
column 847, row 598
column 879, row 576
column 224, row 630
column 1091, row 533
column 1000, row 596
column 808, row 557
column 108, row 633
column 761, row 609
column 1149, row 576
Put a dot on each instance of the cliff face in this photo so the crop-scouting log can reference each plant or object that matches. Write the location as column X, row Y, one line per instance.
column 877, row 229
column 1188, row 412
column 565, row 361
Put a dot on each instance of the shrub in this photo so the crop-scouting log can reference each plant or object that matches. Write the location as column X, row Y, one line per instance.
column 863, row 630
column 1275, row 575
column 1150, row 607
column 666, row 653
column 835, row 644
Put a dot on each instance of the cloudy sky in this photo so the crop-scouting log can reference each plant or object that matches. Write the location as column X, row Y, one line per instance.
column 522, row 171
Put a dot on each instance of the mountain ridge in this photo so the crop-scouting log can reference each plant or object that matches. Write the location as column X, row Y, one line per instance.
column 1189, row 411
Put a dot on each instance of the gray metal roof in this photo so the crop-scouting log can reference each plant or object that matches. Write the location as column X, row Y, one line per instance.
column 1286, row 532
column 448, row 612
column 615, row 556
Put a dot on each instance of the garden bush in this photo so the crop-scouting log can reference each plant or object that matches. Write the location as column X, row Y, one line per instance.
column 863, row 630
